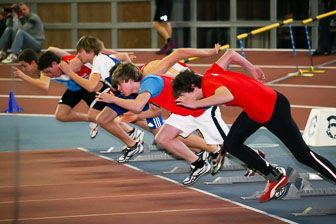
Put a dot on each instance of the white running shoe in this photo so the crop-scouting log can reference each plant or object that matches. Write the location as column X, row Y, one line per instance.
column 94, row 130
column 128, row 152
column 196, row 173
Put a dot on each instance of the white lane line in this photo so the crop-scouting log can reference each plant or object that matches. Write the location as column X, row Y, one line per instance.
column 28, row 115
column 10, row 79
column 97, row 197
column 303, row 86
column 32, row 96
column 199, row 190
column 123, row 213
column 309, row 107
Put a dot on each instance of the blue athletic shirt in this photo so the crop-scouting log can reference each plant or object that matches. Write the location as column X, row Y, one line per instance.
column 153, row 84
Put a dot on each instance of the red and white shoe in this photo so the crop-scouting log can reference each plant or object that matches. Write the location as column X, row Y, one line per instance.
column 272, row 187
column 93, row 130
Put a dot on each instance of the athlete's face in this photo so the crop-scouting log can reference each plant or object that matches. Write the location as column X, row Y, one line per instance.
column 27, row 68
column 84, row 56
column 52, row 71
column 192, row 95
column 125, row 87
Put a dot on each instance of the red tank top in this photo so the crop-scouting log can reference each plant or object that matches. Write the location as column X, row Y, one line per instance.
column 84, row 71
column 255, row 98
column 166, row 100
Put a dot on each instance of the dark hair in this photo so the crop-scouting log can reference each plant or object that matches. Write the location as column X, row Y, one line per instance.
column 28, row 55
column 124, row 72
column 184, row 81
column 88, row 43
column 47, row 58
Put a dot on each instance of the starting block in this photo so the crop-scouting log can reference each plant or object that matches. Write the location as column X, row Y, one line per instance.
column 320, row 129
column 298, row 186
column 310, row 211
column 228, row 165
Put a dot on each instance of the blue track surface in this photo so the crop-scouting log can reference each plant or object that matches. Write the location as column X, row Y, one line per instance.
column 37, row 132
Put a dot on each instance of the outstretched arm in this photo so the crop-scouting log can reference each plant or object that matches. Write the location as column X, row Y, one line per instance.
column 221, row 96
column 182, row 53
column 58, row 51
column 232, row 57
column 42, row 83
column 136, row 104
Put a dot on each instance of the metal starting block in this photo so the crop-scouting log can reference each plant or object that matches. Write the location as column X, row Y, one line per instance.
column 316, row 211
column 298, row 186
column 147, row 148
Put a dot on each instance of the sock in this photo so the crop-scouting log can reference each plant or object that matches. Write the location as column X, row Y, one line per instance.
column 198, row 163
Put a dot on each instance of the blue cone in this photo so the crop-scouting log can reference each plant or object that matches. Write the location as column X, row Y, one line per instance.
column 12, row 104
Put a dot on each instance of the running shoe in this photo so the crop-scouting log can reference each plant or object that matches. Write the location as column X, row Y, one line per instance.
column 217, row 161
column 170, row 46
column 272, row 187
column 93, row 130
column 11, row 58
column 137, row 135
column 162, row 50
column 128, row 152
column 196, row 173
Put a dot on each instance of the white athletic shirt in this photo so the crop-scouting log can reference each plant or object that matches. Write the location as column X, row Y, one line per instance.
column 102, row 64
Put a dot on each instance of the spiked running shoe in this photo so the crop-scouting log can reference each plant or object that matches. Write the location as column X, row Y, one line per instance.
column 196, row 173
column 137, row 135
column 128, row 152
column 272, row 188
column 94, row 130
column 217, row 161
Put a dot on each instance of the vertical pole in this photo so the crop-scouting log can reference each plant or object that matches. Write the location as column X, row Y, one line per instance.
column 309, row 47
column 293, row 45
column 241, row 47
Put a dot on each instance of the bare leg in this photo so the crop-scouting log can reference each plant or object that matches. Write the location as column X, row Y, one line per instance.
column 197, row 143
column 106, row 120
column 166, row 138
column 164, row 30
column 65, row 113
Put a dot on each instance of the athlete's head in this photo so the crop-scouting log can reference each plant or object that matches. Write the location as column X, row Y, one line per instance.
column 28, row 60
column 123, row 72
column 48, row 64
column 185, row 82
column 86, row 45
